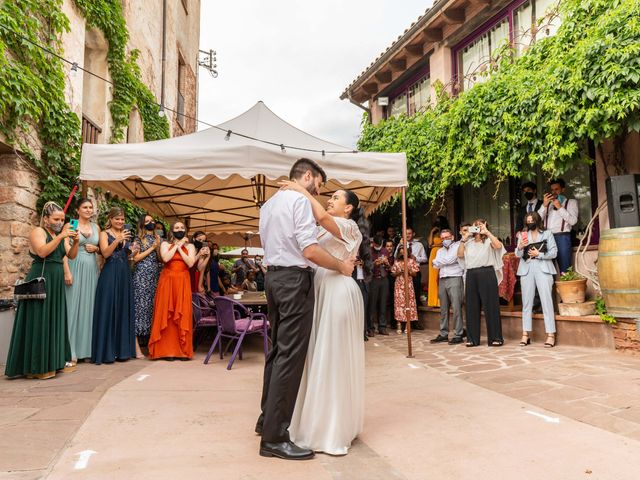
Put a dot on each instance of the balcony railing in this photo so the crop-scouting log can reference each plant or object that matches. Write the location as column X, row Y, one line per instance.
column 180, row 111
column 90, row 131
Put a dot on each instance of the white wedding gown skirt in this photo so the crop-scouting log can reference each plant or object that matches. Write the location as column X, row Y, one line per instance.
column 329, row 409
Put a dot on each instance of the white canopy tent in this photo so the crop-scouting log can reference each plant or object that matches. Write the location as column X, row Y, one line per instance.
column 216, row 179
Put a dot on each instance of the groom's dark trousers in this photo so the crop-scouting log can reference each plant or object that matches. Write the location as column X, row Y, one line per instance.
column 290, row 300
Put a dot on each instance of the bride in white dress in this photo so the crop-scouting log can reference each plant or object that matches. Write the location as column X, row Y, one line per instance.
column 329, row 409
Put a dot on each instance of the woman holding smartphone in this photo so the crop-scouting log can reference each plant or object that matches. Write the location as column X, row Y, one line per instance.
column 113, row 316
column 81, row 280
column 482, row 253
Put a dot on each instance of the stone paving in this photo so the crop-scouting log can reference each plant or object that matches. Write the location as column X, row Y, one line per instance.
column 595, row 386
column 443, row 414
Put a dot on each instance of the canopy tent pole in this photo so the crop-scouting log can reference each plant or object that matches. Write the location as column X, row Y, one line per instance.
column 407, row 309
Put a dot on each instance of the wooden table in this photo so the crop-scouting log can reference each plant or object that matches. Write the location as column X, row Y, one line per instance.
column 251, row 299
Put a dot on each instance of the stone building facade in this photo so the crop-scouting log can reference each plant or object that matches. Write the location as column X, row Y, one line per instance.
column 173, row 81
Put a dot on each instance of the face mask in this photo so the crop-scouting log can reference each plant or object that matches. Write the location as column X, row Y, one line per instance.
column 258, row 261
column 215, row 251
column 160, row 233
column 179, row 235
column 447, row 243
column 56, row 227
column 531, row 226
column 561, row 198
column 196, row 243
column 377, row 249
column 150, row 226
column 528, row 195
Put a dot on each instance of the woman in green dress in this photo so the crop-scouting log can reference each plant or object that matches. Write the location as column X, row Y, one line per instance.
column 81, row 279
column 39, row 342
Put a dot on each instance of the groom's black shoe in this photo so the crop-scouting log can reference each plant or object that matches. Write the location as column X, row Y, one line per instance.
column 285, row 450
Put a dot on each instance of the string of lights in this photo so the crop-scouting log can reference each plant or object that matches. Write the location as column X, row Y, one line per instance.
column 75, row 67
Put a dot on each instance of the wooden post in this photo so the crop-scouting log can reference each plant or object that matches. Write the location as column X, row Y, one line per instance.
column 406, row 271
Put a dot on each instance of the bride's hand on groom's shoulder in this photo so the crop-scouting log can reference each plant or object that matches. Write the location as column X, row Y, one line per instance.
column 291, row 185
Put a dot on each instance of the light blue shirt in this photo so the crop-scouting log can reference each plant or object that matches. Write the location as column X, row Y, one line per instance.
column 447, row 261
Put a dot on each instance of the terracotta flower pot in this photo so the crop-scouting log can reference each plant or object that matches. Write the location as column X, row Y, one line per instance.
column 572, row 291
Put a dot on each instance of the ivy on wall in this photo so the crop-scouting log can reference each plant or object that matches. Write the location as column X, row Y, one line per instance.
column 128, row 90
column 535, row 110
column 34, row 116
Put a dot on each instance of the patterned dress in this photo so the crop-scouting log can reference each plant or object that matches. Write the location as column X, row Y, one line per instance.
column 398, row 267
column 145, row 282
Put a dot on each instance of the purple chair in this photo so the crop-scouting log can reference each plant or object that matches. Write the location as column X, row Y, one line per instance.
column 233, row 328
column 204, row 317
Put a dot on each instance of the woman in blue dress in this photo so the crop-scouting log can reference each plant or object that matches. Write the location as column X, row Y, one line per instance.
column 145, row 278
column 113, row 315
column 81, row 279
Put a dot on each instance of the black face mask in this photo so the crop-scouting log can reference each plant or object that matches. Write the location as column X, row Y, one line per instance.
column 197, row 244
column 150, row 226
column 531, row 226
column 528, row 195
column 179, row 235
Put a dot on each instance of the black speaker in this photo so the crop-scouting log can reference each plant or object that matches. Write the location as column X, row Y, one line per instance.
column 623, row 198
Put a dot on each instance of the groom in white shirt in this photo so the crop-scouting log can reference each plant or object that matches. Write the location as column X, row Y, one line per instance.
column 289, row 237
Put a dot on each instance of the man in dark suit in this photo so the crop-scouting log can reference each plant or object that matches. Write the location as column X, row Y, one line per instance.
column 531, row 204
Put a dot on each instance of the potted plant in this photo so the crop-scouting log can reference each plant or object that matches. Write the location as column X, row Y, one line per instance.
column 571, row 287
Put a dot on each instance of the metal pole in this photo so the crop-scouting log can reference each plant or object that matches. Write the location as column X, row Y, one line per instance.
column 407, row 309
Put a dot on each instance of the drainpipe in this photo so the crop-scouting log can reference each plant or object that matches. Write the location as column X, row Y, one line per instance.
column 164, row 50
column 359, row 105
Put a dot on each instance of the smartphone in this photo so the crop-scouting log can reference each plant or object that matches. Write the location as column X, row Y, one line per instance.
column 73, row 224
column 127, row 226
column 473, row 229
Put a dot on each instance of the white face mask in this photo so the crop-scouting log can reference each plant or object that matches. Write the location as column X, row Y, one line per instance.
column 377, row 249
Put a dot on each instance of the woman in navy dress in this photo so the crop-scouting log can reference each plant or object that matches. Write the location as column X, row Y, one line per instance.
column 113, row 314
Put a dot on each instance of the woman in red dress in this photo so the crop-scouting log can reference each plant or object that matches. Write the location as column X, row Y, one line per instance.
column 172, row 328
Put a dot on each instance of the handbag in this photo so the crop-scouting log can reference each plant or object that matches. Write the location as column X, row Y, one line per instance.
column 540, row 246
column 34, row 289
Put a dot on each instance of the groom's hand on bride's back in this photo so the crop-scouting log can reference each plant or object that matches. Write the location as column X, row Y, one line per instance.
column 347, row 266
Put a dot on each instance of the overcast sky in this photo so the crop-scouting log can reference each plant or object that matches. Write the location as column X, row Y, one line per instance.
column 296, row 56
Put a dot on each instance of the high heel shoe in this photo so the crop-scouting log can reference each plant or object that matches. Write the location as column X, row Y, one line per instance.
column 523, row 342
column 551, row 341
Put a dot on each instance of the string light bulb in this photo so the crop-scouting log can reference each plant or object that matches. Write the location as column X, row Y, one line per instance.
column 282, row 148
column 74, row 69
column 161, row 113
column 228, row 135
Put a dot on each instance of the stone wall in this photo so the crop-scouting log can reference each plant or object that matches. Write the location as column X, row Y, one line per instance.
column 18, row 197
column 626, row 336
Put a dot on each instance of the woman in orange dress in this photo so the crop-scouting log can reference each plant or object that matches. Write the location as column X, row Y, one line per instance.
column 172, row 328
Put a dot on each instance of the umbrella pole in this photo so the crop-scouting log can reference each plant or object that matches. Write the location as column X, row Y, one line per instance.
column 407, row 309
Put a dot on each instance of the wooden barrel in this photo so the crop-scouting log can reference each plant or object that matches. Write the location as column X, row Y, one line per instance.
column 619, row 271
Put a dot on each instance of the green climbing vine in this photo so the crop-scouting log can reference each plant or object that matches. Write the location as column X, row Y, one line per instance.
column 128, row 89
column 539, row 109
column 34, row 115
